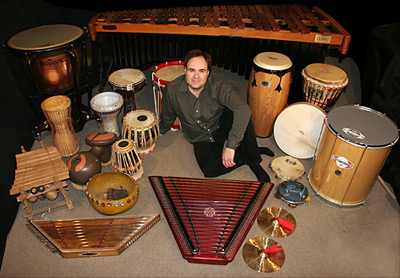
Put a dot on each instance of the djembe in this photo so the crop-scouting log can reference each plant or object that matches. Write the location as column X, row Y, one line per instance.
column 57, row 110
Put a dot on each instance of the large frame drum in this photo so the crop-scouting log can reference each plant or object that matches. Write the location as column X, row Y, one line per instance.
column 323, row 84
column 268, row 89
column 163, row 74
column 127, row 82
column 354, row 145
column 297, row 129
column 141, row 127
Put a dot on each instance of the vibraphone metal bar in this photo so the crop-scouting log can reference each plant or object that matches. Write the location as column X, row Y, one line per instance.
column 277, row 22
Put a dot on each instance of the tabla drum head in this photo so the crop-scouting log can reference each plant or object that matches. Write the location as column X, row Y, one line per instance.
column 45, row 37
column 168, row 72
column 126, row 78
column 297, row 129
column 272, row 61
column 326, row 73
column 139, row 119
column 362, row 125
column 287, row 168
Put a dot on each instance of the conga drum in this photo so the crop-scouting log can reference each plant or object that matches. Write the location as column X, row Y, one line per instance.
column 126, row 159
column 141, row 126
column 323, row 84
column 108, row 105
column 297, row 129
column 354, row 145
column 57, row 110
column 127, row 82
column 50, row 55
column 268, row 89
column 163, row 74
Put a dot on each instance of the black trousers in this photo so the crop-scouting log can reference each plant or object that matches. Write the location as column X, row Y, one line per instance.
column 209, row 155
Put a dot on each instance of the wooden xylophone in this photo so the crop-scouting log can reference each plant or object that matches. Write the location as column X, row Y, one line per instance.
column 232, row 35
column 209, row 218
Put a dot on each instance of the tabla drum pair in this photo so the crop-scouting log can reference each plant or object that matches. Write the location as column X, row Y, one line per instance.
column 323, row 84
column 268, row 89
column 163, row 74
column 354, row 145
column 127, row 82
column 50, row 55
column 142, row 128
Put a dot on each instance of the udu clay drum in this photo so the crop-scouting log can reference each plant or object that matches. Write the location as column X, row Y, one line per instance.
column 127, row 82
column 141, row 126
column 297, row 129
column 354, row 145
column 323, row 84
column 112, row 193
column 126, row 159
column 161, row 76
column 268, row 89
column 108, row 105
column 49, row 53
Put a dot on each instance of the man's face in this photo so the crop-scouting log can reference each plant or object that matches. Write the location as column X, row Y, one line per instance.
column 196, row 74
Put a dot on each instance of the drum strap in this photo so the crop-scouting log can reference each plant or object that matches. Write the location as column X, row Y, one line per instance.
column 280, row 74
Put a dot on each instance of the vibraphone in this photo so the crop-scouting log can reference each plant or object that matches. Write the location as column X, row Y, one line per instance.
column 233, row 35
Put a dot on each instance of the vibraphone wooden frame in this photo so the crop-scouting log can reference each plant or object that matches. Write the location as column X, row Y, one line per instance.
column 233, row 35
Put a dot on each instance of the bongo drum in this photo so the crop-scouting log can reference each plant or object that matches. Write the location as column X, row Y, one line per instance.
column 127, row 82
column 297, row 129
column 108, row 106
column 57, row 110
column 354, row 145
column 287, row 168
column 323, row 83
column 163, row 74
column 141, row 126
column 268, row 89
column 50, row 55
column 126, row 159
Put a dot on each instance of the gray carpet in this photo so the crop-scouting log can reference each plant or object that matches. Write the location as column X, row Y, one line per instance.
column 328, row 241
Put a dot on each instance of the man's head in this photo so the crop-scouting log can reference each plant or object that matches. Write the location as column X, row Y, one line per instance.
column 197, row 68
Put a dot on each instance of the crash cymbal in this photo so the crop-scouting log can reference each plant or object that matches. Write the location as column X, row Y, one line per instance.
column 276, row 222
column 263, row 254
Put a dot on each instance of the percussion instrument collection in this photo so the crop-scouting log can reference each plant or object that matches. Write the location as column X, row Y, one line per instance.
column 210, row 218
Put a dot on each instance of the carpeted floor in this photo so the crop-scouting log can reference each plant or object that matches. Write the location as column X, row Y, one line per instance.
column 328, row 241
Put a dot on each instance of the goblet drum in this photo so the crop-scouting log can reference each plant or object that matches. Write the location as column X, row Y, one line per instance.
column 108, row 106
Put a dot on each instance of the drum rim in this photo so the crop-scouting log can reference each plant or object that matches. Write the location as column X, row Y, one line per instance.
column 127, row 123
column 110, row 108
column 61, row 101
column 141, row 78
column 161, row 66
column 10, row 43
column 354, row 142
column 306, row 104
column 283, row 66
column 322, row 82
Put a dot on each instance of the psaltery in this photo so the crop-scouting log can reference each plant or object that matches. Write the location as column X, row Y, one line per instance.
column 209, row 218
column 107, row 236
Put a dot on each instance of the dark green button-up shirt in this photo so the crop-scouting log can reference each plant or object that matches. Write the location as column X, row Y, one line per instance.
column 199, row 116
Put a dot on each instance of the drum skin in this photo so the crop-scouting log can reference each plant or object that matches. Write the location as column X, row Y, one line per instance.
column 265, row 101
column 344, row 170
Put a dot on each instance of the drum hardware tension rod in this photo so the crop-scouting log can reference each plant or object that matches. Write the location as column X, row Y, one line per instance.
column 384, row 185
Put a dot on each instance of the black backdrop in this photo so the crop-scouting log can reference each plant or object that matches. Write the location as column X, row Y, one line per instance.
column 17, row 119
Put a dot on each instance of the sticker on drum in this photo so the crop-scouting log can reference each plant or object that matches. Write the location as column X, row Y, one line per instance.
column 287, row 168
column 297, row 129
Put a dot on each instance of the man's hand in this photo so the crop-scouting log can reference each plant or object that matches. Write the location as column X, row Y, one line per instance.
column 227, row 157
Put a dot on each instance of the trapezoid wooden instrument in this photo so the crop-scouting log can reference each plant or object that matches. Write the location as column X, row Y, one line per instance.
column 209, row 218
column 94, row 237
